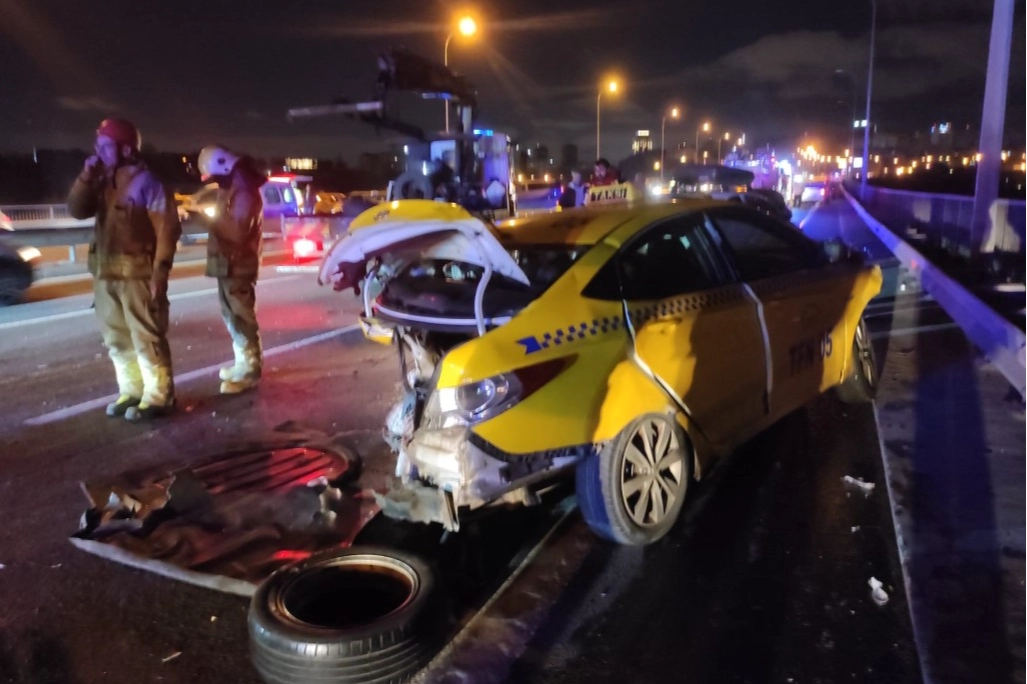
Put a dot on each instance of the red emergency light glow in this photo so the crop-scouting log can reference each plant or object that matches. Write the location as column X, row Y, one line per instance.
column 304, row 247
column 280, row 179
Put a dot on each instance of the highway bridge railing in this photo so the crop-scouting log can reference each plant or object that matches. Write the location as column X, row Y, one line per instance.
column 48, row 225
column 945, row 222
column 1001, row 342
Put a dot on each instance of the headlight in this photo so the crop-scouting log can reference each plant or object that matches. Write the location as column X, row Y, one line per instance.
column 29, row 253
column 474, row 402
column 210, row 211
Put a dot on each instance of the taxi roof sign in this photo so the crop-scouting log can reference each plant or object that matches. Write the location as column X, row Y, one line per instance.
column 618, row 193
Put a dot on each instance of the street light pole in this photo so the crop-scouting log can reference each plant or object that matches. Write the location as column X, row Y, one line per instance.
column 612, row 87
column 705, row 128
column 852, row 123
column 445, row 62
column 467, row 27
column 870, row 89
column 993, row 111
column 663, row 130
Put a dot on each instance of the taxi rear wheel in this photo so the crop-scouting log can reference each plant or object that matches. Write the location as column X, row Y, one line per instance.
column 633, row 491
column 861, row 385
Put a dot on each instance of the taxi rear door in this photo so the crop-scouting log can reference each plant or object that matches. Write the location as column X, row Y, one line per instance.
column 802, row 301
column 694, row 328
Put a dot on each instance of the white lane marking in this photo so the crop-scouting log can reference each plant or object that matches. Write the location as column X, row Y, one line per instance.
column 298, row 269
column 905, row 545
column 912, row 331
column 84, row 312
column 93, row 404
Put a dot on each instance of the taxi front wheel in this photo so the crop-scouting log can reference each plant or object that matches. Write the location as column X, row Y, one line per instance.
column 861, row 385
column 632, row 492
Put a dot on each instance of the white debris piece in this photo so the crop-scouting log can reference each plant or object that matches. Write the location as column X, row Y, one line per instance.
column 2, row 566
column 171, row 657
column 866, row 487
column 877, row 591
column 855, row 529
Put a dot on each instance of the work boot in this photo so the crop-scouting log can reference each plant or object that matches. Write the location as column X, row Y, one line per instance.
column 241, row 366
column 246, row 372
column 145, row 411
column 240, row 383
column 121, row 405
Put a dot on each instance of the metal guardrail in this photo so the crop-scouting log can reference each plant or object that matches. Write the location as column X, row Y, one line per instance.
column 1001, row 342
column 947, row 220
column 43, row 217
column 48, row 225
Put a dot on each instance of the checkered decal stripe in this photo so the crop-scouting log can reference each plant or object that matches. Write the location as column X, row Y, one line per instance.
column 667, row 308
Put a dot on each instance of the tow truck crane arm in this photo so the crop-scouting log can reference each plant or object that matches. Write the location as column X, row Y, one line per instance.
column 402, row 70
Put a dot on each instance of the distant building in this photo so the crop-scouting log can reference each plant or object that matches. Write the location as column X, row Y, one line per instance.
column 643, row 142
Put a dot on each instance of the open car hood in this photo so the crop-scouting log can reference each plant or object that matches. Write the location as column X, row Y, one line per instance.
column 466, row 240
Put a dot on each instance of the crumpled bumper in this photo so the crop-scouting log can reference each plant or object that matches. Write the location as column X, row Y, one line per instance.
column 445, row 470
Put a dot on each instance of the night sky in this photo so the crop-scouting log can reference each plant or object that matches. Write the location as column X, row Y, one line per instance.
column 193, row 72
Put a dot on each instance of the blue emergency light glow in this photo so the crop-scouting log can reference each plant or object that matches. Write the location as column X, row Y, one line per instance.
column 483, row 131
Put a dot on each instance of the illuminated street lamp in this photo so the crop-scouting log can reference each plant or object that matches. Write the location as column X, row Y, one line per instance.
column 674, row 113
column 612, row 87
column 467, row 27
column 705, row 128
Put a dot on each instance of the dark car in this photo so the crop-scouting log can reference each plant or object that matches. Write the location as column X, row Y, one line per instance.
column 16, row 270
column 769, row 202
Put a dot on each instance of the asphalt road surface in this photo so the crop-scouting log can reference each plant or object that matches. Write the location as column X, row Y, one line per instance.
column 764, row 579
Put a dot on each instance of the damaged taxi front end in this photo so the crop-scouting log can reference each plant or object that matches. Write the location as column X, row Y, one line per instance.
column 472, row 428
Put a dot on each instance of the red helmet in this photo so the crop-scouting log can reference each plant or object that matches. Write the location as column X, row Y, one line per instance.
column 122, row 132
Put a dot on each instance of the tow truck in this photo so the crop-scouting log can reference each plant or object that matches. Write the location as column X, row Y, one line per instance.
column 470, row 166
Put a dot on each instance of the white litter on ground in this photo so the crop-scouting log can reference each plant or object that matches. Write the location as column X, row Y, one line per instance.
column 866, row 487
column 171, row 657
column 877, row 591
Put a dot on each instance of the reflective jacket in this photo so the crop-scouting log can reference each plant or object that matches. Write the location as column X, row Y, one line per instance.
column 137, row 226
column 235, row 240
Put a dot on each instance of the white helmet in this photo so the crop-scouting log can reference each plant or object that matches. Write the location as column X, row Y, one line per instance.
column 216, row 161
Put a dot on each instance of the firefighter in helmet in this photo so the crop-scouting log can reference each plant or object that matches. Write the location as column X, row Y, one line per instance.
column 130, row 258
column 233, row 257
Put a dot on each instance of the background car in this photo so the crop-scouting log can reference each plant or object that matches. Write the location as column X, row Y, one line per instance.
column 813, row 192
column 284, row 195
column 17, row 270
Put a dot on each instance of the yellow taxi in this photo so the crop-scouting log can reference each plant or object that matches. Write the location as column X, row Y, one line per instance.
column 627, row 347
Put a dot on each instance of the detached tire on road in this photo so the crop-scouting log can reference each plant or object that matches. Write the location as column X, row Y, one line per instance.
column 353, row 616
column 861, row 385
column 633, row 491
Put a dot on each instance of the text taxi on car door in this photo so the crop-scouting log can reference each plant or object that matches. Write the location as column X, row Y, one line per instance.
column 626, row 346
